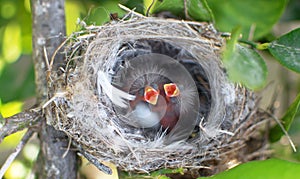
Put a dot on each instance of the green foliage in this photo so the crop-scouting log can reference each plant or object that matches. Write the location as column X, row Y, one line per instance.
column 267, row 169
column 15, row 41
column 286, row 50
column 199, row 10
column 260, row 15
column 196, row 9
column 101, row 13
column 276, row 132
column 244, row 65
column 14, row 15
column 137, row 5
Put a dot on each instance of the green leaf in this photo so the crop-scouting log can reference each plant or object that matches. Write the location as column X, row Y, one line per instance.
column 259, row 14
column 230, row 44
column 286, row 50
column 197, row 9
column 137, row 5
column 267, row 169
column 276, row 132
column 244, row 65
column 101, row 14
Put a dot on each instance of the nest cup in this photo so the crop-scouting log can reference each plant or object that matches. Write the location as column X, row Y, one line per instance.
column 228, row 119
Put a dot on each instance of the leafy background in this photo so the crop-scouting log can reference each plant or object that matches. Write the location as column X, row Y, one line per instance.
column 259, row 21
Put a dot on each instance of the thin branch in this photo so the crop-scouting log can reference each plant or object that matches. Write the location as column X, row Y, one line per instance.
column 93, row 159
column 255, row 45
column 68, row 149
column 186, row 13
column 19, row 122
column 283, row 130
column 130, row 11
column 149, row 8
column 18, row 149
column 251, row 32
column 248, row 42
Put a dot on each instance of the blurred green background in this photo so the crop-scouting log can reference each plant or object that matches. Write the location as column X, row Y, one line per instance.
column 17, row 88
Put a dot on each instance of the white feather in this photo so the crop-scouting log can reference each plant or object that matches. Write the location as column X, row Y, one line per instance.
column 142, row 116
column 117, row 96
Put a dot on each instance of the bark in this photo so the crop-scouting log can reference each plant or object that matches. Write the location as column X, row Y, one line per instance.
column 48, row 26
column 18, row 122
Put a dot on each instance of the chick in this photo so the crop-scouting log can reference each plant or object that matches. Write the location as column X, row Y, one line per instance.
column 156, row 90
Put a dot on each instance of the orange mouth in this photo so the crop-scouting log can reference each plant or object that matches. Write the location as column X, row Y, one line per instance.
column 171, row 90
column 151, row 95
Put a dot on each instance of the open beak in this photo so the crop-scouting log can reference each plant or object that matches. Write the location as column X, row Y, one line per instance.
column 171, row 90
column 151, row 95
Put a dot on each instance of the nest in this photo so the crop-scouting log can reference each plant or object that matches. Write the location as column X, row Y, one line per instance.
column 227, row 124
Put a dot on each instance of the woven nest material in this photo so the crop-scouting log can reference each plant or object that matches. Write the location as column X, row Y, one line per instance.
column 228, row 122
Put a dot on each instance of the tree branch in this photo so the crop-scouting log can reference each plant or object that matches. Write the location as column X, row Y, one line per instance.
column 19, row 122
column 48, row 17
column 93, row 159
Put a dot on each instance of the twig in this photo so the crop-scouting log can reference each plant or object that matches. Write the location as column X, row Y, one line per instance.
column 93, row 159
column 69, row 146
column 255, row 45
column 251, row 32
column 19, row 122
column 13, row 155
column 283, row 130
column 131, row 11
column 56, row 51
column 186, row 13
column 248, row 42
column 149, row 8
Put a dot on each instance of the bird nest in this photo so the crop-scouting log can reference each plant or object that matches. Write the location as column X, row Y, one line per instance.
column 91, row 100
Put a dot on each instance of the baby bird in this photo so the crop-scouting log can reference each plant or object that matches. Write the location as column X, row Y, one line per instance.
column 156, row 90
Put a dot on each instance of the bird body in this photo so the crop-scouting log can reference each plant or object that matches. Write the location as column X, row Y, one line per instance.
column 144, row 116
